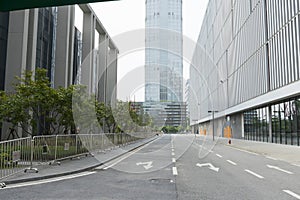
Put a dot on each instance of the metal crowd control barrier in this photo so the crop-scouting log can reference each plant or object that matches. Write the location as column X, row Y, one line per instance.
column 15, row 156
column 25, row 153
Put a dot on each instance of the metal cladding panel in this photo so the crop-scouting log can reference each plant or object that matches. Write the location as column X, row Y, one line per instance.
column 246, row 46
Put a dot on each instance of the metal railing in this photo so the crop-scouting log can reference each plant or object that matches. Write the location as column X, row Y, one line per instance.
column 14, row 156
column 23, row 154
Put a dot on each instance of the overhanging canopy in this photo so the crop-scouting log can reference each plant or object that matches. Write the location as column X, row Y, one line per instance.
column 9, row 5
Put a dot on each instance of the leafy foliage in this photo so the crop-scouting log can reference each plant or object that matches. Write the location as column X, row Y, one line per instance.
column 36, row 107
column 39, row 109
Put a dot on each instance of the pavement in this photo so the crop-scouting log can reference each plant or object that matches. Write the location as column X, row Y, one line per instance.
column 75, row 165
column 179, row 167
column 286, row 153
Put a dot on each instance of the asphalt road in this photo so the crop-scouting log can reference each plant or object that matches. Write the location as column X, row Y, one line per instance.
column 173, row 167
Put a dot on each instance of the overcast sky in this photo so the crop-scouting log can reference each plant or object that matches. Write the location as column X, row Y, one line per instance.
column 120, row 17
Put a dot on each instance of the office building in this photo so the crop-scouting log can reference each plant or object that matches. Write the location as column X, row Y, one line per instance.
column 47, row 38
column 163, row 56
column 164, row 113
column 246, row 69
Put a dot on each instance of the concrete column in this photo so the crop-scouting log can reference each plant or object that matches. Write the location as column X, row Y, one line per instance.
column 102, row 58
column 16, row 60
column 64, row 46
column 32, row 39
column 270, row 123
column 16, row 47
column 87, row 47
column 111, row 83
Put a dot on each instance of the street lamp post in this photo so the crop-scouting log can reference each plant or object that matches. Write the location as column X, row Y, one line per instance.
column 213, row 119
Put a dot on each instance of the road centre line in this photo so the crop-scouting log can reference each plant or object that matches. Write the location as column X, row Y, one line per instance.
column 173, row 154
column 231, row 162
column 297, row 196
column 173, row 160
column 254, row 174
column 125, row 156
column 31, row 183
column 219, row 155
column 175, row 173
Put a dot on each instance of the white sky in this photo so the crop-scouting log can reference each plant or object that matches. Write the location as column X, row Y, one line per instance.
column 126, row 15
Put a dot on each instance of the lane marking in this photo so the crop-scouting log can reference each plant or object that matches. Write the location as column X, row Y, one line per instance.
column 254, row 174
column 296, row 165
column 231, row 162
column 172, row 150
column 173, row 160
column 175, row 173
column 219, row 155
column 297, row 196
column 124, row 157
column 243, row 150
column 279, row 169
column 50, row 180
column 269, row 157
column 173, row 154
column 209, row 165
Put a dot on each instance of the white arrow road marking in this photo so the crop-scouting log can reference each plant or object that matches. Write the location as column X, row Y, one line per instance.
column 292, row 194
column 279, row 169
column 210, row 166
column 146, row 165
column 254, row 174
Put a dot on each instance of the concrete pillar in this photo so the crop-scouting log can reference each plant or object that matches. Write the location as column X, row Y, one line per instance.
column 32, row 39
column 16, row 47
column 87, row 47
column 64, row 46
column 102, row 58
column 111, row 83
column 16, row 60
column 270, row 123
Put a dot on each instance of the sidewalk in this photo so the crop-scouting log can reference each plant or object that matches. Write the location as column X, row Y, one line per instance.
column 76, row 165
column 287, row 153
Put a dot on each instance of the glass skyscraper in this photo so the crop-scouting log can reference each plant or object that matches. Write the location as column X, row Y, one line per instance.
column 163, row 64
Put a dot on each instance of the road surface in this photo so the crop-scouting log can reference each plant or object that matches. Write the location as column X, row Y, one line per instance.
column 173, row 167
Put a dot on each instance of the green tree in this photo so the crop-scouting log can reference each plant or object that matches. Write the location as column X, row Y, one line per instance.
column 36, row 107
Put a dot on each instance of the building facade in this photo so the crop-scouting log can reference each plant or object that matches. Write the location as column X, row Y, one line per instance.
column 246, row 69
column 47, row 38
column 164, row 113
column 163, row 59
